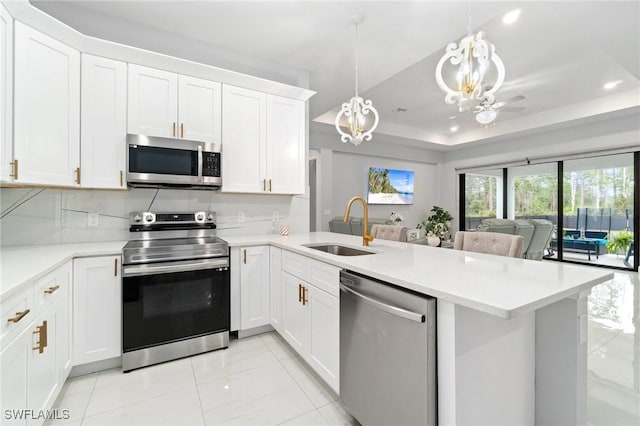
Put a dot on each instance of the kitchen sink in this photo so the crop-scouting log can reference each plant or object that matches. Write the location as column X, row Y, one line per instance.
column 339, row 250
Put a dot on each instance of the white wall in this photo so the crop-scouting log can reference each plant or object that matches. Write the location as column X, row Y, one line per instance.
column 582, row 138
column 343, row 173
column 50, row 216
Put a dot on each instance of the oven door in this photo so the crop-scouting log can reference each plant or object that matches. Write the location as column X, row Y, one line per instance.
column 171, row 301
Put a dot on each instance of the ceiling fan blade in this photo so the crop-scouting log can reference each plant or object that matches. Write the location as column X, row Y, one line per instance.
column 468, row 105
column 512, row 109
column 508, row 101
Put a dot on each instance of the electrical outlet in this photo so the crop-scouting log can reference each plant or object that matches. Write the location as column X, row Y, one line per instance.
column 275, row 216
column 240, row 217
column 93, row 219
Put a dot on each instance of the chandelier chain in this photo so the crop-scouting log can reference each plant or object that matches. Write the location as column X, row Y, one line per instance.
column 469, row 20
column 356, row 58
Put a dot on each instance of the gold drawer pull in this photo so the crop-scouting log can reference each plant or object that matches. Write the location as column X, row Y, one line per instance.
column 42, row 337
column 19, row 316
column 52, row 290
column 244, row 256
column 14, row 165
column 269, row 185
column 173, row 131
column 305, row 300
column 182, row 130
column 121, row 178
column 299, row 292
column 77, row 173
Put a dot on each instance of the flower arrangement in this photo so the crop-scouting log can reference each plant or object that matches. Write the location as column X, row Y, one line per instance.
column 395, row 219
column 437, row 225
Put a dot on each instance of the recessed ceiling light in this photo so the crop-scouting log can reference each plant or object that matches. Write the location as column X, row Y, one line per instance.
column 511, row 17
column 612, row 84
column 454, row 128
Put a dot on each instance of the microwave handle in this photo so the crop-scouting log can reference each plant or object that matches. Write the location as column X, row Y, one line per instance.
column 200, row 178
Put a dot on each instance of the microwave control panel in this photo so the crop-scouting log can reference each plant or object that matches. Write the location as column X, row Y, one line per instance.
column 211, row 164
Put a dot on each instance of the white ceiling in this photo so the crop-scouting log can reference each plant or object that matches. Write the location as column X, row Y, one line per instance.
column 558, row 54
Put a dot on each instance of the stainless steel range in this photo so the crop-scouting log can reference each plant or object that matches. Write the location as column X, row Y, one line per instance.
column 175, row 288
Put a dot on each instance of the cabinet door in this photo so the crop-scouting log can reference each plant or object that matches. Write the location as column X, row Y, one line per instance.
column 295, row 315
column 153, row 102
column 104, row 122
column 254, row 287
column 43, row 372
column 47, row 109
column 275, row 285
column 199, row 109
column 244, row 146
column 6, row 94
column 286, row 145
column 324, row 348
column 14, row 365
column 64, row 329
column 97, row 309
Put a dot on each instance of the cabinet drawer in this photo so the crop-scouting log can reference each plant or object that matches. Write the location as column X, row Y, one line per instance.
column 15, row 308
column 295, row 264
column 324, row 276
column 47, row 289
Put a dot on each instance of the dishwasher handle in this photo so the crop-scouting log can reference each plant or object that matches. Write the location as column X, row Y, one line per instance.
column 393, row 310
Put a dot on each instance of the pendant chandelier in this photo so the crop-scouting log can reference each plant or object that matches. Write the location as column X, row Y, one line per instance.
column 474, row 57
column 361, row 116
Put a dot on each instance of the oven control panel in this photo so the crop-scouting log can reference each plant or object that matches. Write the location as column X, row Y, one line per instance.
column 145, row 220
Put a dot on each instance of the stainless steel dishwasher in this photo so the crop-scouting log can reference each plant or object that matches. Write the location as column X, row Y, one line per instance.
column 387, row 353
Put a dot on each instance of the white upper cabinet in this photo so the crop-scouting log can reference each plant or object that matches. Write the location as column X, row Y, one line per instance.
column 169, row 105
column 264, row 142
column 6, row 95
column 244, row 120
column 199, row 109
column 104, row 123
column 285, row 145
column 47, row 109
column 153, row 102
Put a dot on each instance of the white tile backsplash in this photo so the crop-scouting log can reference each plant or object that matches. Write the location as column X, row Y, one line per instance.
column 49, row 216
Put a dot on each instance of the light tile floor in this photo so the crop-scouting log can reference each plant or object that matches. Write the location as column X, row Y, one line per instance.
column 260, row 380
column 256, row 381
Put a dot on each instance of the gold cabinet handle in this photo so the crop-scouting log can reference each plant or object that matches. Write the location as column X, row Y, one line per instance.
column 173, row 130
column 182, row 130
column 121, row 178
column 19, row 316
column 14, row 166
column 269, row 185
column 52, row 290
column 115, row 267
column 264, row 184
column 77, row 173
column 299, row 292
column 305, row 291
column 42, row 337
column 244, row 256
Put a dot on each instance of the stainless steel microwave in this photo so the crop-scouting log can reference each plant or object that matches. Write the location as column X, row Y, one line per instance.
column 165, row 162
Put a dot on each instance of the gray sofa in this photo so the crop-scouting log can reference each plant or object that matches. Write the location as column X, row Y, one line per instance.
column 354, row 226
column 536, row 233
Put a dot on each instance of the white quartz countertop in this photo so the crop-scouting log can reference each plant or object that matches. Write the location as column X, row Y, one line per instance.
column 497, row 285
column 21, row 265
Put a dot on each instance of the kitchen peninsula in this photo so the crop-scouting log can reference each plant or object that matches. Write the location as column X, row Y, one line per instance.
column 511, row 333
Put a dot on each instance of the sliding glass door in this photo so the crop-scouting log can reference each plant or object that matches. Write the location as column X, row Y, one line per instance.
column 483, row 197
column 598, row 210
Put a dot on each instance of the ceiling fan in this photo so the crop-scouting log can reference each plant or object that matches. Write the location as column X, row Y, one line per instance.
column 486, row 111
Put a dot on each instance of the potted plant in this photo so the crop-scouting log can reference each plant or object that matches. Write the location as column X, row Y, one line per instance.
column 620, row 242
column 436, row 226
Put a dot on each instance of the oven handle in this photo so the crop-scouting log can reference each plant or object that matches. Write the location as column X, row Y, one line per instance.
column 168, row 268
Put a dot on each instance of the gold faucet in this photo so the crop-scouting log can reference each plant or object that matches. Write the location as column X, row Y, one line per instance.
column 366, row 238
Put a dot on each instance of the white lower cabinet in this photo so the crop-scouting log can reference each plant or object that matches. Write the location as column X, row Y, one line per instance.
column 311, row 313
column 254, row 287
column 36, row 360
column 97, row 307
